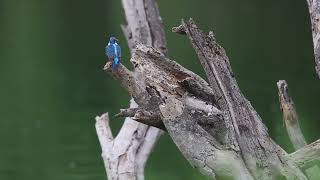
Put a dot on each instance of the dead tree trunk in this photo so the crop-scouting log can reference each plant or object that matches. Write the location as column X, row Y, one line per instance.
column 214, row 126
column 126, row 155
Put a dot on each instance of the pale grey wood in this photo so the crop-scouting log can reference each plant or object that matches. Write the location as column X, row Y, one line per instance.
column 262, row 156
column 199, row 142
column 214, row 126
column 307, row 156
column 314, row 9
column 135, row 140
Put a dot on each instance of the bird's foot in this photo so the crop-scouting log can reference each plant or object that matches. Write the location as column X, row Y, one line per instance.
column 107, row 65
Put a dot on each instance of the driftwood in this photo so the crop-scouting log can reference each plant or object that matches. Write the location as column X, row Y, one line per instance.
column 212, row 123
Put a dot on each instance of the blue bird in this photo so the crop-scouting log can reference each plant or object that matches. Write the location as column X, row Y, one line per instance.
column 113, row 52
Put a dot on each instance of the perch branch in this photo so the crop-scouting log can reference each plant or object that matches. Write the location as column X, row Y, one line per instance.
column 314, row 10
column 290, row 116
column 135, row 141
column 125, row 77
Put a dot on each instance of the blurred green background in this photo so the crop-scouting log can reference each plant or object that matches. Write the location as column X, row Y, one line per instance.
column 52, row 83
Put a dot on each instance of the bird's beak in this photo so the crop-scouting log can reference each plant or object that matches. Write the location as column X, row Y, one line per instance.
column 117, row 40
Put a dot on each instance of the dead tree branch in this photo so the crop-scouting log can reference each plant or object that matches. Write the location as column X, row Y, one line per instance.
column 127, row 156
column 307, row 156
column 246, row 130
column 213, row 125
column 291, row 121
column 314, row 9
column 290, row 116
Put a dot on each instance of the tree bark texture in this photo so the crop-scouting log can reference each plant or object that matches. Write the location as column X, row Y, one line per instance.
column 126, row 155
column 314, row 9
column 290, row 116
column 212, row 123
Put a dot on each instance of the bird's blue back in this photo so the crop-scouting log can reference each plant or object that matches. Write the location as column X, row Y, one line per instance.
column 113, row 50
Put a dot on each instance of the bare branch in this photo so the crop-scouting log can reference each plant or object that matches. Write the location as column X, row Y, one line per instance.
column 103, row 131
column 314, row 9
column 290, row 116
column 200, row 148
column 143, row 116
column 129, row 152
column 245, row 128
column 150, row 140
column 199, row 105
column 126, row 78
column 130, row 112
column 307, row 156
column 105, row 138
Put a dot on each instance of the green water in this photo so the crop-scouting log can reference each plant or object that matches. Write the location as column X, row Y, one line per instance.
column 52, row 85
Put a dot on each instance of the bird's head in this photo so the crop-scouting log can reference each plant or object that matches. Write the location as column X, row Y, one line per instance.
column 113, row 40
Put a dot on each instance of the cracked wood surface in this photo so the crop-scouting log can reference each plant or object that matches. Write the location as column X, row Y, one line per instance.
column 213, row 124
column 124, row 158
column 314, row 10
column 197, row 127
column 262, row 156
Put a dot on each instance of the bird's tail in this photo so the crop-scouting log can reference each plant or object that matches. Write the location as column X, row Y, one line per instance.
column 116, row 63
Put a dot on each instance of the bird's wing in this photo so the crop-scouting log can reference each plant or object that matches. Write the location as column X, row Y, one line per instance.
column 110, row 52
column 118, row 50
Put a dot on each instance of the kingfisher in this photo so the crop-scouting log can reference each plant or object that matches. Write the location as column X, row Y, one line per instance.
column 113, row 52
